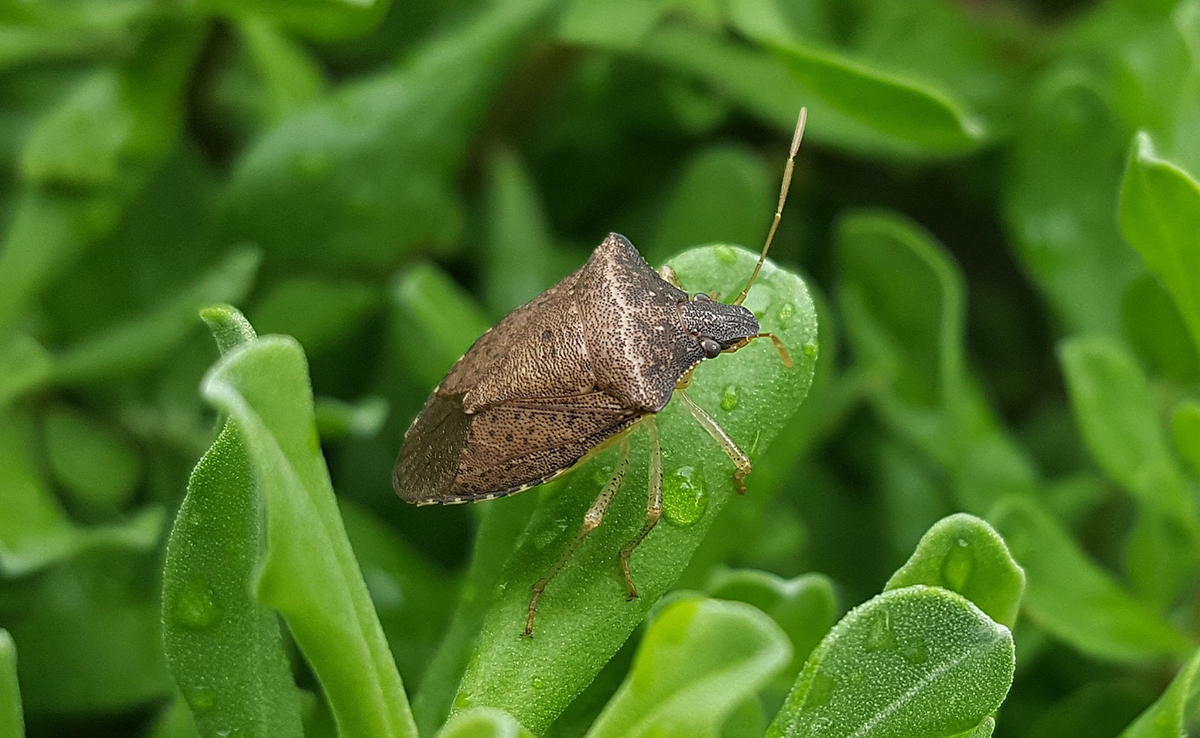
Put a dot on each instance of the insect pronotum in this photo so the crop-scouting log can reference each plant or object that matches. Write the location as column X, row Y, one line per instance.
column 576, row 368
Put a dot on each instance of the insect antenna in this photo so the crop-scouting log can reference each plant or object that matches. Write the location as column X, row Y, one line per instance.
column 783, row 193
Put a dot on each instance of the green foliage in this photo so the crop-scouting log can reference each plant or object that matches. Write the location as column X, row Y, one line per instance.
column 982, row 469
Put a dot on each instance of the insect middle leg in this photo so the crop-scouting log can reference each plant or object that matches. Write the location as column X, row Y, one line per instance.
column 591, row 521
column 653, row 504
column 728, row 445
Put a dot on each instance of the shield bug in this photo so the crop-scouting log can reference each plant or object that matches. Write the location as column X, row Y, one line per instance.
column 575, row 370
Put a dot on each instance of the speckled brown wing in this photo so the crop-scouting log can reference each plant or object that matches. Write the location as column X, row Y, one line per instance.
column 501, row 449
column 555, row 378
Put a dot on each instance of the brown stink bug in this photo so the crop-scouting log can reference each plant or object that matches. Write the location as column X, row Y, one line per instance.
column 574, row 370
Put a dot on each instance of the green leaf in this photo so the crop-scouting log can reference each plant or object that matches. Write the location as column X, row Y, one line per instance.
column 611, row 24
column 500, row 526
column 698, row 660
column 317, row 312
column 318, row 19
column 411, row 595
column 1185, row 427
column 1155, row 329
column 1172, row 714
column 24, row 365
column 905, row 109
column 147, row 339
column 92, row 461
column 724, row 195
column 584, row 616
column 1114, row 408
column 309, row 573
column 290, row 77
column 90, row 637
column 434, row 322
column 483, row 722
column 759, row 83
column 1073, row 598
column 519, row 260
column 360, row 178
column 223, row 648
column 339, row 419
column 12, row 719
column 964, row 554
column 913, row 661
column 804, row 606
column 1059, row 201
column 82, row 141
column 904, row 307
column 35, row 531
column 1160, row 217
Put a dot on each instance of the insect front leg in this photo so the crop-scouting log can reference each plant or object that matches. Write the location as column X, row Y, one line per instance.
column 653, row 503
column 728, row 445
column 591, row 521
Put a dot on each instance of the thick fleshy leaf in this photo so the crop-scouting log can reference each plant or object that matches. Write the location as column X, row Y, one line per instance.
column 35, row 531
column 1160, row 217
column 149, row 337
column 12, row 718
column 584, row 616
column 1073, row 598
column 224, row 648
column 309, row 573
column 805, row 606
column 1059, row 200
column 913, row 661
column 698, row 660
column 964, row 554
column 1173, row 714
column 363, row 176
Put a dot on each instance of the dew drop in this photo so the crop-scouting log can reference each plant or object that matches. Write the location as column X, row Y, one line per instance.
column 462, row 701
column 726, row 254
column 538, row 683
column 684, row 497
column 195, row 607
column 820, row 692
column 729, row 398
column 958, row 565
column 201, row 699
column 786, row 312
column 879, row 635
column 810, row 349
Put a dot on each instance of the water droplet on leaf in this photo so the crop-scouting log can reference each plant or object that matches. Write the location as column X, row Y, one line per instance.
column 201, row 699
column 810, row 349
column 785, row 312
column 538, row 683
column 195, row 606
column 726, row 254
column 915, row 651
column 684, row 497
column 958, row 565
column 879, row 635
column 820, row 692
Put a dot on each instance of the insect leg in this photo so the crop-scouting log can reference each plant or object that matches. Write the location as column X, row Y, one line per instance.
column 728, row 445
column 653, row 504
column 591, row 521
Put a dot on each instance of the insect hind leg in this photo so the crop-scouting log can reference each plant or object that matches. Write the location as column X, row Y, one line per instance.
column 653, row 504
column 591, row 521
column 728, row 445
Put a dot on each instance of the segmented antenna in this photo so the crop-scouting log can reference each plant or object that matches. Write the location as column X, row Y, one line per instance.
column 783, row 193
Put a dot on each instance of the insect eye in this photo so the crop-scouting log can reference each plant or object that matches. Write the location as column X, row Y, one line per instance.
column 711, row 347
column 702, row 297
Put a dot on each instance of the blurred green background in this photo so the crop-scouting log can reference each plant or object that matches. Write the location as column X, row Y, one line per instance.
column 992, row 207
